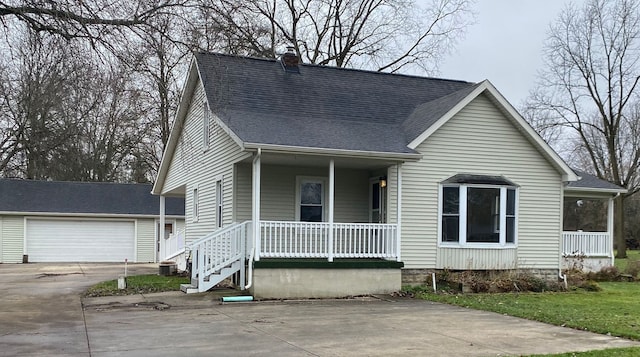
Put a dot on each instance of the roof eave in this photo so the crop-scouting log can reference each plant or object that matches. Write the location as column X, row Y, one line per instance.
column 596, row 190
column 286, row 149
column 93, row 215
column 176, row 128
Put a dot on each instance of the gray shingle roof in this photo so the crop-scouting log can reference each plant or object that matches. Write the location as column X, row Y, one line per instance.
column 324, row 107
column 83, row 197
column 592, row 182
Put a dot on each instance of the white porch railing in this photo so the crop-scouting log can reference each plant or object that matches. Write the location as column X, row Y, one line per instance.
column 174, row 245
column 589, row 244
column 217, row 251
column 284, row 239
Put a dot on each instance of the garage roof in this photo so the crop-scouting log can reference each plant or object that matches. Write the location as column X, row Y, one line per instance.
column 83, row 197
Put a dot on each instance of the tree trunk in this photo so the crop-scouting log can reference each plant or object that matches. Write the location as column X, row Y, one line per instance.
column 618, row 227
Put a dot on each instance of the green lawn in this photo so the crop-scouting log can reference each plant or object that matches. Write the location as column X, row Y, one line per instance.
column 139, row 284
column 632, row 255
column 613, row 352
column 614, row 310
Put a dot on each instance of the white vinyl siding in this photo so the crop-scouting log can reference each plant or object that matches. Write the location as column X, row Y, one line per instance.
column 242, row 192
column 191, row 167
column 480, row 140
column 63, row 240
column 477, row 259
column 12, row 239
column 145, row 240
column 351, row 196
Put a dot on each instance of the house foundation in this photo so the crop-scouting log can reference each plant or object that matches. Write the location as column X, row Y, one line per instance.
column 586, row 264
column 306, row 278
column 423, row 276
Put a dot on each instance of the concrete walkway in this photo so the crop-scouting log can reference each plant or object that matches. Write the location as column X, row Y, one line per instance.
column 42, row 314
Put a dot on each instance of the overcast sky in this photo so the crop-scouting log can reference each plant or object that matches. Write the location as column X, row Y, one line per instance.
column 504, row 46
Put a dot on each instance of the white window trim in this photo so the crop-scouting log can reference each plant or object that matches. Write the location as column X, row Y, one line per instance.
column 206, row 126
column 195, row 203
column 219, row 201
column 462, row 234
column 325, row 194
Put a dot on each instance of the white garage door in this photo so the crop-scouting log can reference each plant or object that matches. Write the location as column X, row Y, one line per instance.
column 80, row 240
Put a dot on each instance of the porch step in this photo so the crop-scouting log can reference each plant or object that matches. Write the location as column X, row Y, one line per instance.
column 189, row 288
column 212, row 280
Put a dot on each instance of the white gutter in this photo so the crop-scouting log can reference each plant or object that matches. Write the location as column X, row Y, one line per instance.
column 284, row 149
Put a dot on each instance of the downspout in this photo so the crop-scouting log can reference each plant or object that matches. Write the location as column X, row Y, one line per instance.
column 255, row 230
column 250, row 272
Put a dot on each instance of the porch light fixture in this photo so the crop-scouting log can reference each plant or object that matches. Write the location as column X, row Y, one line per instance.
column 383, row 182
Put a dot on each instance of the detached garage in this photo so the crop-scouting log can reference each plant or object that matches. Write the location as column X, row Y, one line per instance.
column 44, row 221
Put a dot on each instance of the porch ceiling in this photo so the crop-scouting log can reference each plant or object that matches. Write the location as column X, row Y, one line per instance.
column 322, row 161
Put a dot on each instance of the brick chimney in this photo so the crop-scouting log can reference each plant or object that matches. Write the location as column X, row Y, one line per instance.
column 290, row 60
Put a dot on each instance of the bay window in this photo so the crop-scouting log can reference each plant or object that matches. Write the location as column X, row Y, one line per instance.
column 478, row 213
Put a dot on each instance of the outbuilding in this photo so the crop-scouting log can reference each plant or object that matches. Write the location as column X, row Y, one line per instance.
column 54, row 221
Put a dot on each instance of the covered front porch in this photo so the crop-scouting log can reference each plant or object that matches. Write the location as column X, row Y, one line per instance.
column 301, row 209
column 320, row 206
column 587, row 235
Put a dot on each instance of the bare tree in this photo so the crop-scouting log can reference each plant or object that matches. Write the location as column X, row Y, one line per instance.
column 589, row 91
column 387, row 35
column 91, row 20
column 68, row 115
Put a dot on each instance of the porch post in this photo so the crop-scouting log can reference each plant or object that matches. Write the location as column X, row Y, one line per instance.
column 398, row 211
column 610, row 227
column 256, row 204
column 332, row 170
column 161, row 237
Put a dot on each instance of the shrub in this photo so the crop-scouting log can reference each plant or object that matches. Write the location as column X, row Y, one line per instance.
column 605, row 274
column 493, row 282
column 633, row 268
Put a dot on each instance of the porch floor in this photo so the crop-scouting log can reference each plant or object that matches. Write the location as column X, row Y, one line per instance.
column 318, row 263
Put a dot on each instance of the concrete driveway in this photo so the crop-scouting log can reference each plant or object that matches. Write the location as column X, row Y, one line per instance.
column 41, row 314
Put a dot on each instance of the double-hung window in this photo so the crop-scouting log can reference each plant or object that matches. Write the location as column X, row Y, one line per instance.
column 310, row 199
column 478, row 211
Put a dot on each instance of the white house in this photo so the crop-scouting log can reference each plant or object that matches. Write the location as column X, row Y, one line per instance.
column 55, row 221
column 320, row 181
